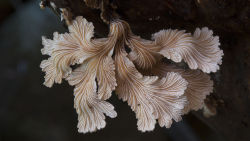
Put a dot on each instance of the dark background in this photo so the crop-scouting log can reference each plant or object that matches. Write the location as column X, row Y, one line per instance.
column 29, row 111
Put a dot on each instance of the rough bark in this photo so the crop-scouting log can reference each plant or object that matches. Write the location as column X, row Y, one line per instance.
column 229, row 19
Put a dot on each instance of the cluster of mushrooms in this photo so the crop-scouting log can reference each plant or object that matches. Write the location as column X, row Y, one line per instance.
column 156, row 91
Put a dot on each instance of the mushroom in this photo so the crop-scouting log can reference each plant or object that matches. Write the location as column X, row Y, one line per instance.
column 154, row 90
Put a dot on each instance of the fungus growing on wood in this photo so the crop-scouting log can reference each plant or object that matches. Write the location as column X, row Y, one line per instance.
column 154, row 90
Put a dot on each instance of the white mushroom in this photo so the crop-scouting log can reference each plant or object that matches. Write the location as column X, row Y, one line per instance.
column 157, row 92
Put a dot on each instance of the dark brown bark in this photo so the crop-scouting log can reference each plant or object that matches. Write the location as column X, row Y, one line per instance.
column 230, row 19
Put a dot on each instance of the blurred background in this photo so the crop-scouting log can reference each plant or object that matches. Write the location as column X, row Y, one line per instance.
column 29, row 111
